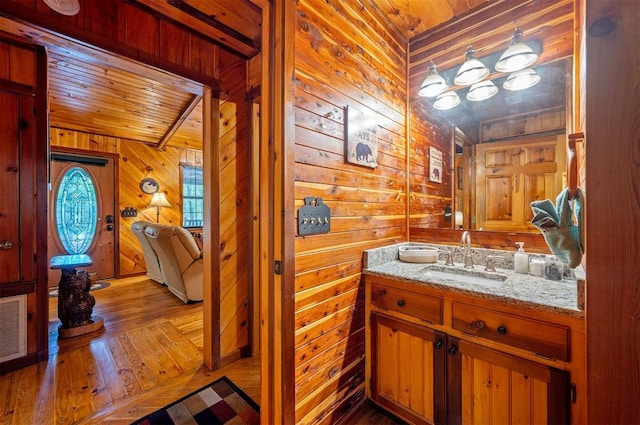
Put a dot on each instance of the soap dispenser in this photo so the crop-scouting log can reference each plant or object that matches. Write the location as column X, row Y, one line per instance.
column 520, row 259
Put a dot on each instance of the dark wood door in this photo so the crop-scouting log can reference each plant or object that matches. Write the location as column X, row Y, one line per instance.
column 17, row 183
column 99, row 175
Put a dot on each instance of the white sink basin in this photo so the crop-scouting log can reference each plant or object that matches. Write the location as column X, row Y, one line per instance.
column 469, row 276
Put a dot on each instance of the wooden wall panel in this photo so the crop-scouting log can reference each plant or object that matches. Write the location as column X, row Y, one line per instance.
column 428, row 199
column 344, row 57
column 235, row 210
column 127, row 29
column 612, row 114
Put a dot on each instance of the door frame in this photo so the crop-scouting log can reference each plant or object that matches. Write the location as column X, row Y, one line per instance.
column 116, row 193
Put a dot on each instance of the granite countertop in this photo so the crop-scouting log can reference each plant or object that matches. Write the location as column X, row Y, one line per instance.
column 523, row 290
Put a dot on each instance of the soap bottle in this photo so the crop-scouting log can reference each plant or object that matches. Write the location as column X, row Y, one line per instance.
column 520, row 259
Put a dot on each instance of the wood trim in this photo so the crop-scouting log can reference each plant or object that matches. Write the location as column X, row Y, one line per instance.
column 166, row 137
column 42, row 198
column 269, row 397
column 211, row 228
column 11, row 289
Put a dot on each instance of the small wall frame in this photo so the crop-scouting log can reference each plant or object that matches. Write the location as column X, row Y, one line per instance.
column 435, row 165
column 361, row 138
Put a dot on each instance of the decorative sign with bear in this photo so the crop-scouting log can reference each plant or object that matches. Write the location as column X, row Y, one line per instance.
column 435, row 165
column 361, row 136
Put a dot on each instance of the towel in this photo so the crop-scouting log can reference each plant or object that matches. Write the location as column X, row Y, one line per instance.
column 562, row 226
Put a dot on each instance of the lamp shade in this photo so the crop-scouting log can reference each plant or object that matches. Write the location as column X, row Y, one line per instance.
column 434, row 84
column 482, row 91
column 517, row 56
column 447, row 100
column 522, row 79
column 159, row 199
column 471, row 71
column 459, row 218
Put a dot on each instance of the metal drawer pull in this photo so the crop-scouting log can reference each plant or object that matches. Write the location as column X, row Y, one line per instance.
column 502, row 330
column 401, row 303
column 6, row 245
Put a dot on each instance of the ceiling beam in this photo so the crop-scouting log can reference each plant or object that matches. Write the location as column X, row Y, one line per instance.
column 191, row 105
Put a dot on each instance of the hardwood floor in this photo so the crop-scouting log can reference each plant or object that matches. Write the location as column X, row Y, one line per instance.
column 148, row 355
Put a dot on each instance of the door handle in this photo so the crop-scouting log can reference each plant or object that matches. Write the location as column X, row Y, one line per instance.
column 6, row 245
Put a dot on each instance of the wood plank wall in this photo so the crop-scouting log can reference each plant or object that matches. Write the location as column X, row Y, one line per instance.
column 345, row 56
column 234, row 178
column 428, row 198
column 121, row 26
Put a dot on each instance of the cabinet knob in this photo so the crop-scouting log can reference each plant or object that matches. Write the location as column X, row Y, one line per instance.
column 401, row 303
column 383, row 292
column 478, row 324
column 502, row 330
column 453, row 350
column 438, row 344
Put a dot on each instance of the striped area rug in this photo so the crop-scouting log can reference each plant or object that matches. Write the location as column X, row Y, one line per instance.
column 220, row 402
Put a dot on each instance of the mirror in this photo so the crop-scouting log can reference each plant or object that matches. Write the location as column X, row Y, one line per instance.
column 509, row 150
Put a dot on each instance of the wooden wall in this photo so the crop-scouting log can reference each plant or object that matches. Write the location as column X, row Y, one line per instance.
column 428, row 199
column 120, row 26
column 234, row 179
column 344, row 56
column 612, row 114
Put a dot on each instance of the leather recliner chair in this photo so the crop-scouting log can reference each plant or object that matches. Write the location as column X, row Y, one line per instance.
column 150, row 256
column 180, row 260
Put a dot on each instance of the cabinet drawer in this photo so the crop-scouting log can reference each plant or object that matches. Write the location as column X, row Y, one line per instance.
column 541, row 338
column 421, row 306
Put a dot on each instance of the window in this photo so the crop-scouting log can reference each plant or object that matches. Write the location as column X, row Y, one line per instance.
column 76, row 211
column 192, row 192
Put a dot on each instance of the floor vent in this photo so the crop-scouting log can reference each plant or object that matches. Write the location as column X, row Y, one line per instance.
column 13, row 327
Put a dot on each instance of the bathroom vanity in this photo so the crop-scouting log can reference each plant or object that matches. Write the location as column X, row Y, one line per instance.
column 448, row 344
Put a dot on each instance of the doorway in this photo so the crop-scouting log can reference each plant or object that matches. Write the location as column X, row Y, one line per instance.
column 82, row 205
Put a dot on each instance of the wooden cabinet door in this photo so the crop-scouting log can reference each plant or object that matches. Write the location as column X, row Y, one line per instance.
column 408, row 375
column 510, row 175
column 498, row 388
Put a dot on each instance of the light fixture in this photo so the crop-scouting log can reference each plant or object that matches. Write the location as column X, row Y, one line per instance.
column 482, row 91
column 434, row 84
column 522, row 79
column 471, row 71
column 159, row 200
column 446, row 100
column 517, row 56
column 459, row 218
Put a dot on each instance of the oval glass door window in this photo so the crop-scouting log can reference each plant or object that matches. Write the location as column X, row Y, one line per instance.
column 76, row 211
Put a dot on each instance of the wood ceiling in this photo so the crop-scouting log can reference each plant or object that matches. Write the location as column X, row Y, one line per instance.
column 95, row 93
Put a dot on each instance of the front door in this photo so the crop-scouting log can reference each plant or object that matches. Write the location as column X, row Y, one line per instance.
column 82, row 209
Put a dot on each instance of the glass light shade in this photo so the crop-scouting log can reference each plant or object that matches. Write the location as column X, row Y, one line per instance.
column 447, row 100
column 434, row 84
column 522, row 79
column 517, row 56
column 471, row 71
column 482, row 91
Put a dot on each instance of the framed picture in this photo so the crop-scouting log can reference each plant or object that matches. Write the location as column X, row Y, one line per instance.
column 361, row 138
column 435, row 165
column 460, row 177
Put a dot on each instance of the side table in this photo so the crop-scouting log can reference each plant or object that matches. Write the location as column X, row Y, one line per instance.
column 75, row 303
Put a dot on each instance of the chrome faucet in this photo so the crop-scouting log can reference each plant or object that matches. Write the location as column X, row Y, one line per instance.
column 465, row 242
